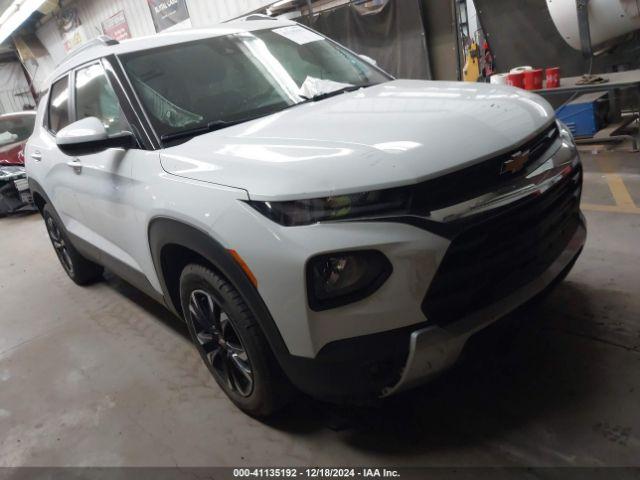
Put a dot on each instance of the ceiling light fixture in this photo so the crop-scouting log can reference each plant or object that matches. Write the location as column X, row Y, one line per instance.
column 15, row 15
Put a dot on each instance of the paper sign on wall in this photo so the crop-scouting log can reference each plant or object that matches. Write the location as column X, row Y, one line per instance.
column 71, row 30
column 116, row 26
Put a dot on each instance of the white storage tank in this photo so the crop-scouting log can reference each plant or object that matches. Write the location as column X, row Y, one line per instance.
column 608, row 19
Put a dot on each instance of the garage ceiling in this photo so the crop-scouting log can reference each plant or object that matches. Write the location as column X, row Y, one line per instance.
column 4, row 4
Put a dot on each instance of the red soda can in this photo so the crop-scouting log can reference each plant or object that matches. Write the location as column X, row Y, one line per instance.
column 516, row 79
column 553, row 77
column 533, row 79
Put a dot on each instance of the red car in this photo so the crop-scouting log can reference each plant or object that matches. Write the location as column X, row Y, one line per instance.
column 15, row 130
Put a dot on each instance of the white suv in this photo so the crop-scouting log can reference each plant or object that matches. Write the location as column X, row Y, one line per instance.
column 314, row 221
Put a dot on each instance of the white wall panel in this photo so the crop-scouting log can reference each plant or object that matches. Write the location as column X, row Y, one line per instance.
column 14, row 89
column 40, row 71
column 208, row 12
column 50, row 37
column 93, row 12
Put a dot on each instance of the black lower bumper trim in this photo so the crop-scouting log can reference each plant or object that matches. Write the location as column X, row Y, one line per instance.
column 355, row 369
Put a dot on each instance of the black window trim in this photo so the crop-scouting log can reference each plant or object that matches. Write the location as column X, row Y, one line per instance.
column 47, row 120
column 130, row 103
column 72, row 95
column 145, row 142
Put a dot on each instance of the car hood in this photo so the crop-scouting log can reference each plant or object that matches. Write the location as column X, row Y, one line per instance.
column 393, row 134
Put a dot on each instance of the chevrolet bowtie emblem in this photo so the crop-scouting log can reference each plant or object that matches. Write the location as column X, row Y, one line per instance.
column 515, row 163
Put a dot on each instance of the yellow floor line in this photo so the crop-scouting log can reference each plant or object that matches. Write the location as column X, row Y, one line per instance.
column 616, row 185
column 619, row 191
column 591, row 207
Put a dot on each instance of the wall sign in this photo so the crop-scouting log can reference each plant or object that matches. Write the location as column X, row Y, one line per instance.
column 117, row 26
column 169, row 14
column 71, row 29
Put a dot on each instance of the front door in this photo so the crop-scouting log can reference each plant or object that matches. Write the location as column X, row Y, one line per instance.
column 105, row 191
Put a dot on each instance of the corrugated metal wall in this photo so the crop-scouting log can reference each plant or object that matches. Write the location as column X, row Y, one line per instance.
column 14, row 90
column 49, row 36
column 208, row 12
column 93, row 12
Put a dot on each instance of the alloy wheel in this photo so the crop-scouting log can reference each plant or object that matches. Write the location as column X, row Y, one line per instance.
column 59, row 245
column 219, row 343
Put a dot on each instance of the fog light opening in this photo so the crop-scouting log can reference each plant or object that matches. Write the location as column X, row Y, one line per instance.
column 341, row 278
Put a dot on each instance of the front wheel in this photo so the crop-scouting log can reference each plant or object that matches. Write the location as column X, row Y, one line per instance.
column 78, row 268
column 231, row 343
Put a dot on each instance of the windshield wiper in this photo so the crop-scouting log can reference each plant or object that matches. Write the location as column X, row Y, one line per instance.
column 220, row 124
column 209, row 127
column 322, row 96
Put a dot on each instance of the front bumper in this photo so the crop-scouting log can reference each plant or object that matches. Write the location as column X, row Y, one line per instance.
column 433, row 349
column 382, row 364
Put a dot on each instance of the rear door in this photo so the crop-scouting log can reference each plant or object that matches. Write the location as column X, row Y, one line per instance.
column 47, row 164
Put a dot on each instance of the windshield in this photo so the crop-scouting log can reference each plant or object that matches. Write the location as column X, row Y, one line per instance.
column 16, row 129
column 227, row 79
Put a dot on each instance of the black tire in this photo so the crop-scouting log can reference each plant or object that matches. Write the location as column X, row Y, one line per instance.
column 80, row 270
column 231, row 343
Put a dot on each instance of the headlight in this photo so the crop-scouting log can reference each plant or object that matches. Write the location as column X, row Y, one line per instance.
column 307, row 212
column 565, row 133
column 345, row 277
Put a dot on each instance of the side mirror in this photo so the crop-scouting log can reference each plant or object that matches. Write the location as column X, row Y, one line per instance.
column 368, row 59
column 89, row 136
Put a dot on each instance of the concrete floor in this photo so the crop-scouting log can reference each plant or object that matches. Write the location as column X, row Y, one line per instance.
column 103, row 376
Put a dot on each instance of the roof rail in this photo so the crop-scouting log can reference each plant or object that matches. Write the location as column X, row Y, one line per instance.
column 258, row 16
column 100, row 41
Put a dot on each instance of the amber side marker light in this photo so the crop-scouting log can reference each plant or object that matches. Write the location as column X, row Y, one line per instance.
column 252, row 278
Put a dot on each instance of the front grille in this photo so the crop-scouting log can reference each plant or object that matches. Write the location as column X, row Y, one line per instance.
column 486, row 176
column 489, row 260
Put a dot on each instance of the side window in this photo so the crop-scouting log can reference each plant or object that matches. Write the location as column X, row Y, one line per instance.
column 96, row 98
column 59, row 105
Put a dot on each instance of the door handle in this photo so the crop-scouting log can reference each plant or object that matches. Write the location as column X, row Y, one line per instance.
column 76, row 164
column 37, row 156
